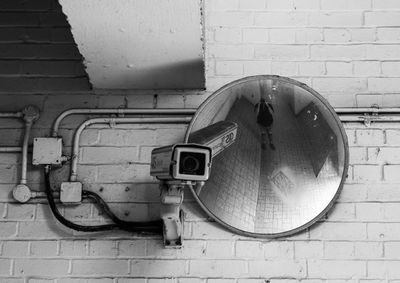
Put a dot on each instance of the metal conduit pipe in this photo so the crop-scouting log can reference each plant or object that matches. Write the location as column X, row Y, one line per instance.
column 120, row 111
column 351, row 110
column 11, row 115
column 75, row 150
column 28, row 128
column 10, row 149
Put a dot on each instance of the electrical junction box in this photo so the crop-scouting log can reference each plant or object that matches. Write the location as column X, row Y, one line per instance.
column 47, row 151
column 71, row 192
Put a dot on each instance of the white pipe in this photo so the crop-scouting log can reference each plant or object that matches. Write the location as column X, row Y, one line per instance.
column 345, row 110
column 28, row 127
column 75, row 150
column 11, row 115
column 11, row 149
column 120, row 111
column 371, row 118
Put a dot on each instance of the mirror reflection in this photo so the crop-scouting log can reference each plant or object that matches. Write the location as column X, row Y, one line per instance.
column 288, row 162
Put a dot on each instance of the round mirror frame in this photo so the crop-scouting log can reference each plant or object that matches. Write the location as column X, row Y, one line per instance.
column 345, row 165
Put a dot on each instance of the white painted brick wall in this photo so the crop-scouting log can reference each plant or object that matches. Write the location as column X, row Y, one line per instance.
column 348, row 50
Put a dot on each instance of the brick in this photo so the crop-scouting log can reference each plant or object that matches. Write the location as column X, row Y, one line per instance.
column 42, row 51
column 123, row 173
column 337, row 35
column 384, row 269
column 384, row 84
column 339, row 250
column 370, row 137
column 358, row 155
column 339, row 69
column 80, row 212
column 281, row 52
column 368, row 250
column 156, row 249
column 43, row 5
column 282, row 36
column 390, row 173
column 15, row 249
column 378, row 18
column 235, row 52
column 280, row 250
column 131, row 248
column 390, row 34
column 100, row 267
column 383, row 192
column 280, row 5
column 252, row 4
column 384, row 155
column 230, row 19
column 41, row 229
column 392, row 137
column 209, row 230
column 223, row 5
column 109, row 155
column 309, row 35
column 308, row 249
column 333, row 18
column 73, row 248
column 8, row 229
column 5, row 266
column 257, row 67
column 218, row 268
column 342, row 212
column 362, row 34
column 195, row 249
column 345, row 5
column 311, row 68
column 367, row 68
column 229, row 68
column 391, row 69
column 366, row 173
column 336, row 269
column 219, row 249
column 281, row 19
column 20, row 212
column 28, row 84
column 255, row 35
column 338, row 231
column 44, row 248
column 158, row 268
column 100, row 248
column 346, row 52
column 306, row 4
column 380, row 52
column 34, row 267
column 284, row 68
column 370, row 211
column 383, row 231
column 249, row 249
column 278, row 268
column 229, row 35
column 337, row 84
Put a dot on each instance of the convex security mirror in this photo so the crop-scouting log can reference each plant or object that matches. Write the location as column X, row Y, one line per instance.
column 287, row 165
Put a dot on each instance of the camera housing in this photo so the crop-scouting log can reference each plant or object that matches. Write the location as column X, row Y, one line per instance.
column 186, row 162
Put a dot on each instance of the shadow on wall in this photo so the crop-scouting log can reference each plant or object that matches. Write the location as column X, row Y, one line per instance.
column 168, row 76
column 37, row 50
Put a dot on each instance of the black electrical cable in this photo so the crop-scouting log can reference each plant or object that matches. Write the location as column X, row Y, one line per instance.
column 153, row 226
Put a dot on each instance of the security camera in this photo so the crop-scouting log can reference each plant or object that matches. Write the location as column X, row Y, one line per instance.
column 183, row 162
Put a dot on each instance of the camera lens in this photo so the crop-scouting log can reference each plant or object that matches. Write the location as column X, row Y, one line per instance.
column 192, row 163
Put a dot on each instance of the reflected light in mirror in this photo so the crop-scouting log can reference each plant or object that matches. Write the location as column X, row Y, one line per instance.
column 287, row 165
